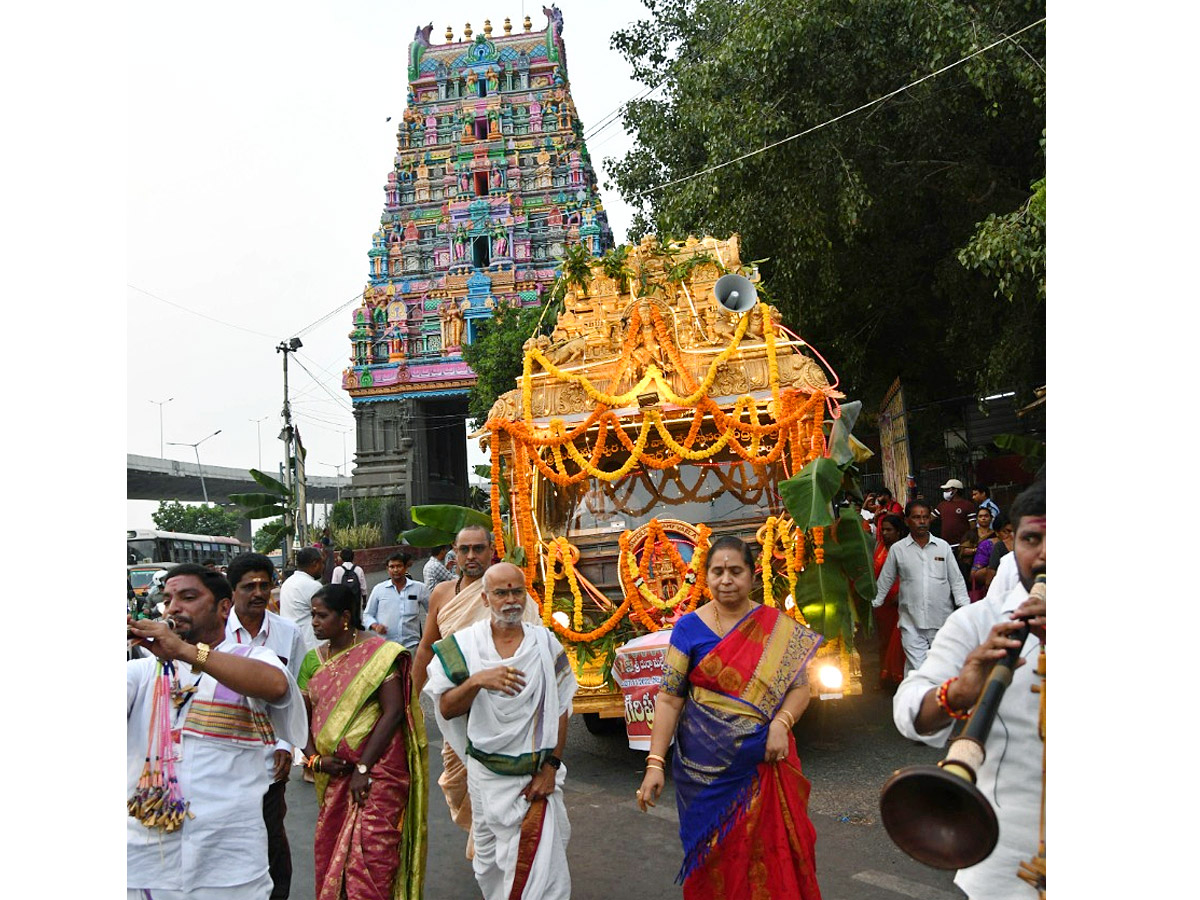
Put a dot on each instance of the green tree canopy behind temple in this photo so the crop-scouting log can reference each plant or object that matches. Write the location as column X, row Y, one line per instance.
column 861, row 221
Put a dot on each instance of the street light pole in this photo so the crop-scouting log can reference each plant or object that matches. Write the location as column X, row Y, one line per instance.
column 258, row 424
column 162, row 403
column 196, row 447
column 286, row 347
column 337, row 469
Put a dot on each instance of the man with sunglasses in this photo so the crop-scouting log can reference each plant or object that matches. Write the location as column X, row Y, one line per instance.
column 453, row 606
column 250, row 623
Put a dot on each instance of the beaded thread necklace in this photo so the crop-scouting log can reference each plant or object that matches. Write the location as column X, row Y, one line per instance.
column 157, row 801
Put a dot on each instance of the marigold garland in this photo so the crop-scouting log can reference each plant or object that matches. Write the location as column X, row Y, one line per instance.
column 797, row 423
column 783, row 530
column 497, row 522
column 561, row 549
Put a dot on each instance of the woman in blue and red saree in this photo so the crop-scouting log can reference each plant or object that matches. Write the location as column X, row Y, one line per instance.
column 734, row 683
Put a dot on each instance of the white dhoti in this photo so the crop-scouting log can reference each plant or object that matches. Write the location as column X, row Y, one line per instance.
column 511, row 843
column 259, row 889
column 520, row 848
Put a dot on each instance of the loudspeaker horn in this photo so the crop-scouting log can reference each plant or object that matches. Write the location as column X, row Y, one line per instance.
column 735, row 293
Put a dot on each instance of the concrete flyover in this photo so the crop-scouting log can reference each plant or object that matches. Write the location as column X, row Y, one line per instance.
column 151, row 478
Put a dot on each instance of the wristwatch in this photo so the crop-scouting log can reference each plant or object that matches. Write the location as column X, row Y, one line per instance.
column 202, row 651
column 552, row 761
column 362, row 770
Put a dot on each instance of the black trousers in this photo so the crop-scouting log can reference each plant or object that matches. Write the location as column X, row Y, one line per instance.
column 279, row 853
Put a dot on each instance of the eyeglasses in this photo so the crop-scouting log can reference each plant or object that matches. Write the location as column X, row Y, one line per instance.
column 508, row 592
column 477, row 549
column 249, row 587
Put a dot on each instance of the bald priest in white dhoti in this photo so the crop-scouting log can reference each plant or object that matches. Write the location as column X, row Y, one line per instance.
column 516, row 683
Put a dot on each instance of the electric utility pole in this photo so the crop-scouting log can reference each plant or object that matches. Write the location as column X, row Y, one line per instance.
column 289, row 516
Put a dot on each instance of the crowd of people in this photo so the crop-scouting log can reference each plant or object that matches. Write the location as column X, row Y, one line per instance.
column 230, row 694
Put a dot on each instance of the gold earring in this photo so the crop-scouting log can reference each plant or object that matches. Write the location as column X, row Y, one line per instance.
column 345, row 626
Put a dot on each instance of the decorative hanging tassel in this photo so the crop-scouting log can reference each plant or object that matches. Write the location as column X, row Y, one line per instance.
column 157, row 801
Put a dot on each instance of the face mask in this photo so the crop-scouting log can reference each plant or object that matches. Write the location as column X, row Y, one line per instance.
column 947, row 494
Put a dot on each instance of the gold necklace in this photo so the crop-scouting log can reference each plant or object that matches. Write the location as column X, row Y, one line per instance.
column 330, row 657
column 722, row 630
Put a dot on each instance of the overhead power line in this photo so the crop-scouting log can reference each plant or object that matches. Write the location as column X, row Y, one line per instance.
column 838, row 118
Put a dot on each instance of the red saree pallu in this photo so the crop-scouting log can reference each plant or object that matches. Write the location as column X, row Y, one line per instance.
column 887, row 625
column 376, row 850
column 743, row 822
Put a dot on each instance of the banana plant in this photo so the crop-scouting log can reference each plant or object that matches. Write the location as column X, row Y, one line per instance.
column 834, row 596
column 440, row 523
column 275, row 500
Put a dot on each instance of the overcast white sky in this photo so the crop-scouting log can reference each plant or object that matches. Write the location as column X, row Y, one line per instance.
column 258, row 149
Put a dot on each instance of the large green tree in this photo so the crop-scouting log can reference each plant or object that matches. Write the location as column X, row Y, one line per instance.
column 862, row 220
column 206, row 518
column 497, row 354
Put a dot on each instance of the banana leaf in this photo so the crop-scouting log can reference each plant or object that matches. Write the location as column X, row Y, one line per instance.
column 808, row 494
column 821, row 594
column 841, row 451
column 271, row 484
column 256, row 500
column 424, row 536
column 852, row 552
column 451, row 518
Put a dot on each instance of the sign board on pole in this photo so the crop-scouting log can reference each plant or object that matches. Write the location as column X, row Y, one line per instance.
column 893, row 443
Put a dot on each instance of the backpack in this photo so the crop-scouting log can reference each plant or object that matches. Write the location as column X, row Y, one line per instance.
column 350, row 579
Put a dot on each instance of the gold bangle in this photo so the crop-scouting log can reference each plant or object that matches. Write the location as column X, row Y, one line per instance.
column 652, row 766
column 656, row 756
column 789, row 721
column 201, row 658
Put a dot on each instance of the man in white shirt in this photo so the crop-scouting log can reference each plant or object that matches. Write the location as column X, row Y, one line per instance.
column 931, row 584
column 347, row 566
column 224, row 707
column 397, row 607
column 960, row 660
column 295, row 596
column 251, row 624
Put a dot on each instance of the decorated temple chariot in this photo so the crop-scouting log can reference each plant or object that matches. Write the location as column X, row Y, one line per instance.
column 653, row 419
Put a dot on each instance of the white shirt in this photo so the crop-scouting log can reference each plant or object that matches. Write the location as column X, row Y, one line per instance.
column 223, row 780
column 1011, row 775
column 1006, row 578
column 931, row 584
column 401, row 611
column 281, row 638
column 339, row 572
column 295, row 604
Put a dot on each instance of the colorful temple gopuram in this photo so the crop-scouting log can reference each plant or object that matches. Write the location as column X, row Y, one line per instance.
column 490, row 184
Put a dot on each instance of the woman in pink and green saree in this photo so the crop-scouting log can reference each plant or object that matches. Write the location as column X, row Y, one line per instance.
column 367, row 748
